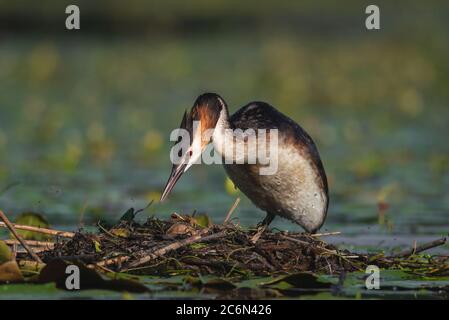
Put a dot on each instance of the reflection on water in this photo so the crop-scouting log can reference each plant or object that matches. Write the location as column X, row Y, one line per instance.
column 85, row 124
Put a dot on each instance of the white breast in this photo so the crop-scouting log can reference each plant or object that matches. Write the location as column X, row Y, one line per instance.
column 295, row 192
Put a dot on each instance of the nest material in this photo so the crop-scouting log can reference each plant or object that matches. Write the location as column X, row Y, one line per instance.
column 182, row 246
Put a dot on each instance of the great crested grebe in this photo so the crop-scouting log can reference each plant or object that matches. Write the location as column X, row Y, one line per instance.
column 297, row 191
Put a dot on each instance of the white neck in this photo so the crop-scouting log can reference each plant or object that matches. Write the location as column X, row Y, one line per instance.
column 222, row 132
column 231, row 144
column 245, row 146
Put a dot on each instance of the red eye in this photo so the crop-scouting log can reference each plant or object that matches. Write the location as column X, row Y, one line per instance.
column 190, row 153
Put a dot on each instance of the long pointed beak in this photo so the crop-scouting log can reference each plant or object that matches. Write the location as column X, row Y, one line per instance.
column 176, row 173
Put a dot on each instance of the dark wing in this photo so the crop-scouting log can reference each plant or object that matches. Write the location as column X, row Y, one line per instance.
column 261, row 115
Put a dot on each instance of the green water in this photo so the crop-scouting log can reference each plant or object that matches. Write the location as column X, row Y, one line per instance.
column 85, row 124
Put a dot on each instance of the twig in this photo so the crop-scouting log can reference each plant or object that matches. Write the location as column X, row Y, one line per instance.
column 176, row 245
column 104, row 269
column 294, row 239
column 325, row 234
column 63, row 234
column 14, row 251
column 18, row 237
column 418, row 249
column 231, row 210
column 121, row 259
column 111, row 261
column 32, row 243
column 35, row 249
column 334, row 252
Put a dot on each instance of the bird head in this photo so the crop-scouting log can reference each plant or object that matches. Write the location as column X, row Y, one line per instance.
column 198, row 124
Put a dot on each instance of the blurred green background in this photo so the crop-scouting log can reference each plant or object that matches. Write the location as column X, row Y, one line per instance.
column 85, row 115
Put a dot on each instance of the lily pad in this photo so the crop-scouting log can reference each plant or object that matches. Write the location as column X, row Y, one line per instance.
column 55, row 271
column 210, row 282
column 5, row 253
column 302, row 280
column 30, row 267
column 203, row 220
column 35, row 220
column 9, row 270
column 128, row 215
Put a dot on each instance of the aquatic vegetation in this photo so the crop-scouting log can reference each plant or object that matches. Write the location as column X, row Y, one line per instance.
column 188, row 252
column 84, row 125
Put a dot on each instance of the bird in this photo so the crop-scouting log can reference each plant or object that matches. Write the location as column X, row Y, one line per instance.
column 297, row 190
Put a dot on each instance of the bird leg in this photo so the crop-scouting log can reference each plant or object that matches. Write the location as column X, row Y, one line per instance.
column 261, row 227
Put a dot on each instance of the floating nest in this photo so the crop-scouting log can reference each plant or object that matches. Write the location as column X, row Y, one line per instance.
column 192, row 245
